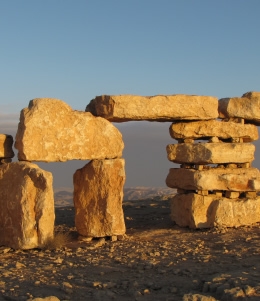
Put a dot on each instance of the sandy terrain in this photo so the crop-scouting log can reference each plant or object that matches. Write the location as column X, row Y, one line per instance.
column 156, row 261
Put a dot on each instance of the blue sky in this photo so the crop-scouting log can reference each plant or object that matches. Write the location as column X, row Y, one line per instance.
column 75, row 50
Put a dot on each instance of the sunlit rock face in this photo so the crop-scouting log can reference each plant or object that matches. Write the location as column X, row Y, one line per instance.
column 120, row 108
column 210, row 153
column 6, row 146
column 26, row 205
column 50, row 131
column 246, row 107
column 198, row 211
column 98, row 196
column 213, row 128
column 234, row 179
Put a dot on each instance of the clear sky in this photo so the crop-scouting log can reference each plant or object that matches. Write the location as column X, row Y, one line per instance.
column 75, row 50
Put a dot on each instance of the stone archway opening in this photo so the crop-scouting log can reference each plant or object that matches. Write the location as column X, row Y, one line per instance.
column 50, row 131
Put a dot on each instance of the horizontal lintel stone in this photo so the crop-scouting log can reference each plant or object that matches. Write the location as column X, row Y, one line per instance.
column 120, row 108
column 210, row 153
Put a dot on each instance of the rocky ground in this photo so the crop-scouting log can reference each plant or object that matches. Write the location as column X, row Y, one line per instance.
column 156, row 261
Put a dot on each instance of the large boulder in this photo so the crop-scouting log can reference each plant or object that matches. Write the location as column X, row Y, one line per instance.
column 6, row 146
column 197, row 211
column 211, row 153
column 26, row 205
column 98, row 196
column 120, row 108
column 50, row 131
column 235, row 179
column 246, row 107
column 213, row 128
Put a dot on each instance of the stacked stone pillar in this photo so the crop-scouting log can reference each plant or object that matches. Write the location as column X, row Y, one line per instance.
column 216, row 183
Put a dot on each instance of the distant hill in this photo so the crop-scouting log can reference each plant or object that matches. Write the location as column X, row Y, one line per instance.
column 64, row 196
column 141, row 193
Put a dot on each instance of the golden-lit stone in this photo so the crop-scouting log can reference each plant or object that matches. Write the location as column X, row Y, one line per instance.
column 50, row 131
column 98, row 196
column 120, row 108
column 26, row 205
column 213, row 128
column 211, row 153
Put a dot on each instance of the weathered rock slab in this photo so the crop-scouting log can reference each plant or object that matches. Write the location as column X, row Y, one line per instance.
column 198, row 211
column 211, row 153
column 237, row 179
column 213, row 128
column 120, row 108
column 246, row 107
column 50, row 131
column 26, row 205
column 6, row 146
column 98, row 196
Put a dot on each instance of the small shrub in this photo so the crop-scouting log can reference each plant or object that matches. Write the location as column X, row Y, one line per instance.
column 59, row 240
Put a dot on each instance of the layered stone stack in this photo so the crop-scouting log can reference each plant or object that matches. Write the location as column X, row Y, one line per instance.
column 216, row 184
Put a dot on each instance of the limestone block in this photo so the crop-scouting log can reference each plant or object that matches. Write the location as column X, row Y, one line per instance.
column 213, row 128
column 49, row 131
column 238, row 212
column 232, row 194
column 120, row 108
column 98, row 195
column 255, row 184
column 211, row 153
column 6, row 144
column 251, row 194
column 26, row 205
column 198, row 211
column 247, row 107
column 237, row 179
column 193, row 210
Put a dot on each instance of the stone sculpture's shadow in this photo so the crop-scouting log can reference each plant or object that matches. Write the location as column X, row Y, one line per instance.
column 140, row 215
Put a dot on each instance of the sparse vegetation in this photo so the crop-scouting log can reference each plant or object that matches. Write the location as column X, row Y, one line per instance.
column 59, row 240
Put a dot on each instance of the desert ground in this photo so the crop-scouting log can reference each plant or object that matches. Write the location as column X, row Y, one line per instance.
column 156, row 260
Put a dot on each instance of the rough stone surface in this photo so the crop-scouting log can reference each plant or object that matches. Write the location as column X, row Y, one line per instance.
column 247, row 107
column 211, row 153
column 237, row 179
column 51, row 298
column 198, row 211
column 49, row 131
column 98, row 195
column 26, row 205
column 6, row 144
column 120, row 108
column 213, row 128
